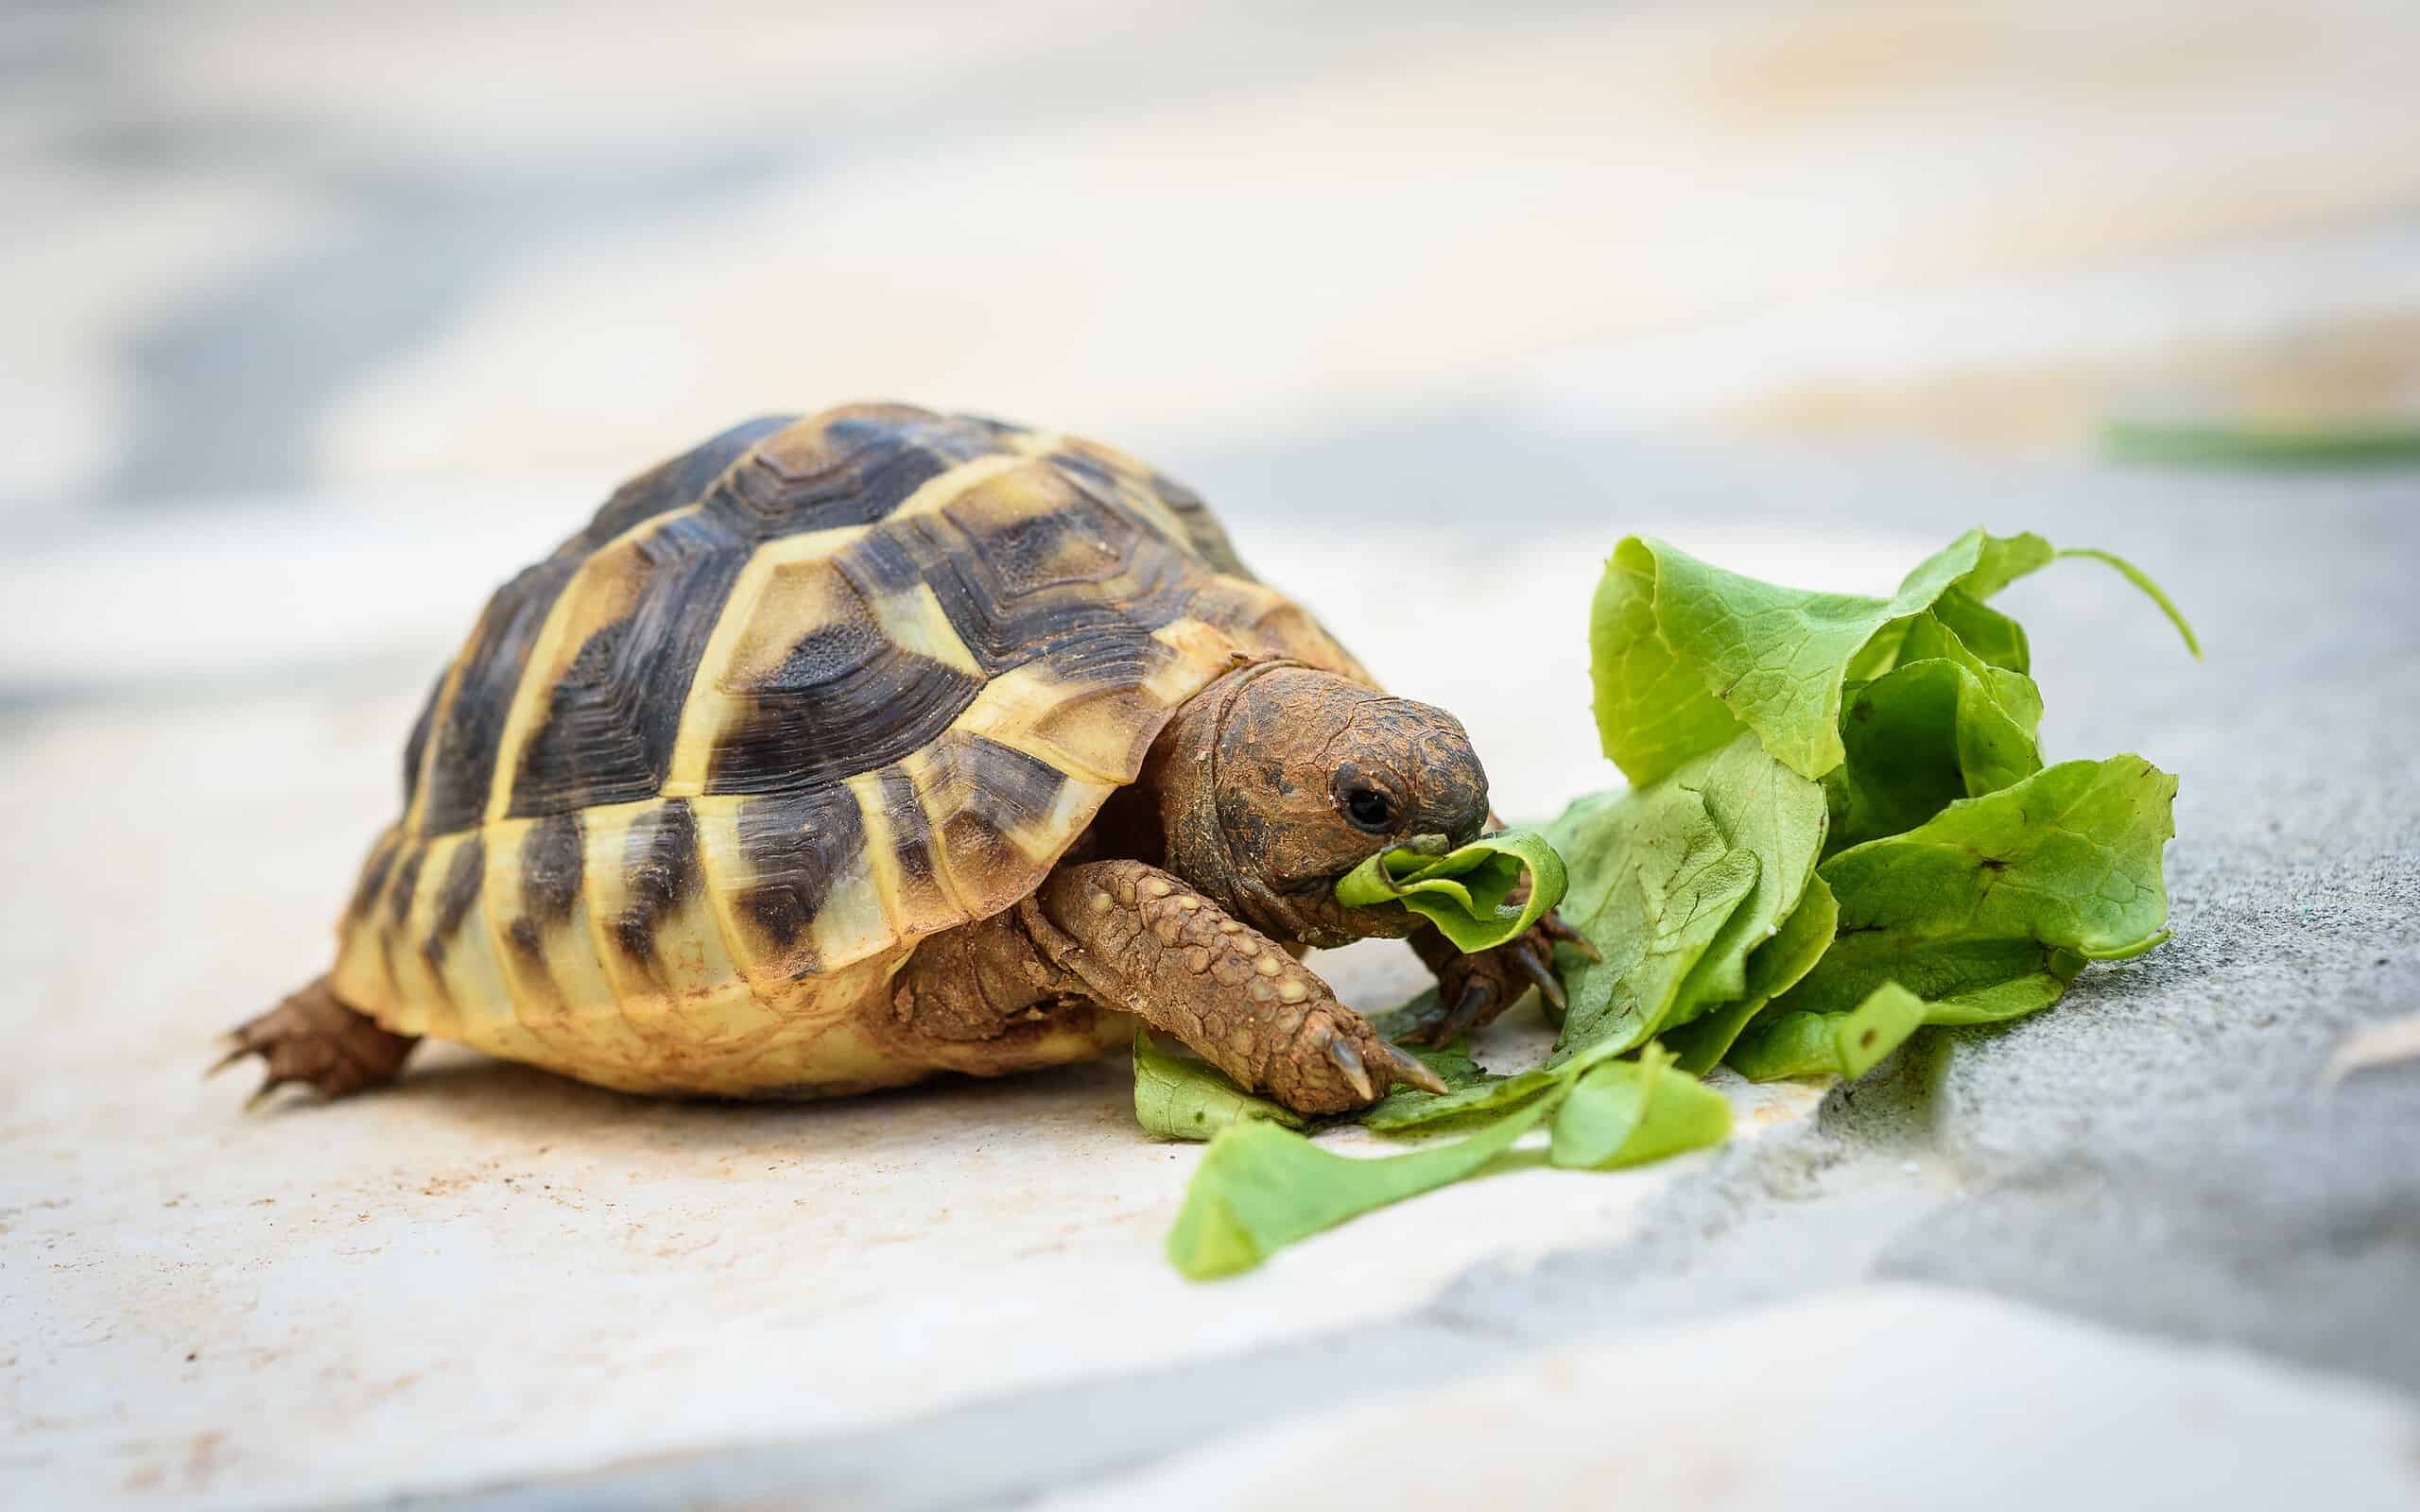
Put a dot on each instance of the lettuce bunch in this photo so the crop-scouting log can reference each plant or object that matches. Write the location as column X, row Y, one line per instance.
column 1839, row 829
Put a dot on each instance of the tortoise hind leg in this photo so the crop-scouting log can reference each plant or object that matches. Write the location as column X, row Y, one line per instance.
column 310, row 1037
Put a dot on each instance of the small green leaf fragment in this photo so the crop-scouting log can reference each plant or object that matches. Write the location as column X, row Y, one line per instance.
column 1260, row 1188
column 1409, row 1108
column 1630, row 1112
column 1180, row 1098
column 1846, row 1044
column 2012, row 997
column 1464, row 892
column 1406, row 1107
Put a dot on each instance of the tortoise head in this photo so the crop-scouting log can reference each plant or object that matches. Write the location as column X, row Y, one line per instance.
column 1277, row 780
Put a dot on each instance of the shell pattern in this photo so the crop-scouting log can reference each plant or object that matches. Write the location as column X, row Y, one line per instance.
column 700, row 779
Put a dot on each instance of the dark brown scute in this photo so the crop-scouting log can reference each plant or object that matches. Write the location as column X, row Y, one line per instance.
column 523, row 932
column 911, row 834
column 552, row 868
column 677, row 482
column 1201, row 527
column 1110, row 657
column 467, row 733
column 663, row 872
column 416, row 745
column 467, row 729
column 464, row 875
column 852, row 469
column 373, row 874
column 797, row 846
column 1015, row 587
column 612, row 716
column 845, row 699
column 996, row 788
column 406, row 883
column 1120, row 480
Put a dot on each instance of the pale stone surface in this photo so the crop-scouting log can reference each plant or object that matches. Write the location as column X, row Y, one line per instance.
column 1881, row 1397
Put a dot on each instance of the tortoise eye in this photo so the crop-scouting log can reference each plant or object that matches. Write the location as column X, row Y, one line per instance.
column 1370, row 808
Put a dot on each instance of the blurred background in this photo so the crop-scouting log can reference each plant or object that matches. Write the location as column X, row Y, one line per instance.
column 321, row 317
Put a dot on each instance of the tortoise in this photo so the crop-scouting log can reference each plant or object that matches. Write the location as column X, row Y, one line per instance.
column 842, row 750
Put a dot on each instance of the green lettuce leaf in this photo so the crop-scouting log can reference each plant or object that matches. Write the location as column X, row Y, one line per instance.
column 1260, row 1188
column 1988, row 910
column 1781, row 818
column 1628, row 1112
column 1180, row 1098
column 1683, row 655
column 1478, row 1096
column 1845, row 1043
column 1920, row 737
column 1659, row 883
column 1676, row 883
column 1403, row 1107
column 1463, row 891
column 1773, row 968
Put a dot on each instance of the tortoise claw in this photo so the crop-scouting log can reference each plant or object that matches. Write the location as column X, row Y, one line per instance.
column 1348, row 1060
column 1410, row 1069
column 237, row 1049
column 1559, row 933
column 1477, row 999
column 1524, row 955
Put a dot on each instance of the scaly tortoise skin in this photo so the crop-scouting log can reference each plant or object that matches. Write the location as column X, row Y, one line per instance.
column 792, row 774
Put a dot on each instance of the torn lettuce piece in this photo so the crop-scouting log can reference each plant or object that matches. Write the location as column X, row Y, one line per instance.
column 1401, row 1107
column 1177, row 1098
column 1677, row 883
column 1464, row 892
column 1773, row 968
column 1630, row 1112
column 1683, row 655
column 1480, row 1095
column 1260, row 1188
column 1846, row 1044
column 1659, row 882
column 1988, row 910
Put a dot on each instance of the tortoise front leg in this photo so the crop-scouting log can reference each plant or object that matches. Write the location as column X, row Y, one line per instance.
column 1143, row 942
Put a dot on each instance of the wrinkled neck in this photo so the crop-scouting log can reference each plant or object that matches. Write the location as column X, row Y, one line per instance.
column 1199, row 834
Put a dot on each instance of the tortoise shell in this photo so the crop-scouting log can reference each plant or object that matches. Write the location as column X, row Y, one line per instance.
column 700, row 779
